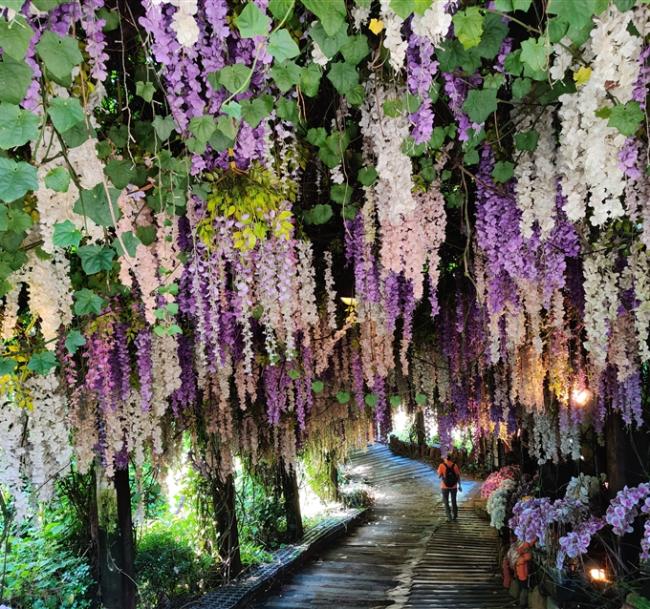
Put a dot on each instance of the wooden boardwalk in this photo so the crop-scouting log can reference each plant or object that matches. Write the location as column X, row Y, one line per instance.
column 407, row 556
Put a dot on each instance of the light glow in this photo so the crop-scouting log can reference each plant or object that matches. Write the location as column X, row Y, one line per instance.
column 598, row 575
column 581, row 396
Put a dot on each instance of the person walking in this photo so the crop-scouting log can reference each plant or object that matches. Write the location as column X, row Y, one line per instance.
column 449, row 474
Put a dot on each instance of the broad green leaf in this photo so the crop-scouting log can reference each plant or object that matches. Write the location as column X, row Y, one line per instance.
column 331, row 13
column 65, row 113
column 521, row 87
column 371, row 400
column 58, row 179
column 356, row 95
column 556, row 30
column 232, row 109
column 624, row 5
column 7, row 366
column 310, row 80
column 59, row 54
column 341, row 193
column 329, row 45
column 526, row 140
column 17, row 126
column 317, row 136
column 512, row 64
column 202, row 128
column 367, row 176
column 494, row 31
column 503, row 171
column 16, row 179
column 235, row 78
column 480, row 104
column 111, row 19
column 47, row 5
column 468, row 26
column 130, row 242
column 421, row 6
column 504, row 6
column 494, row 80
column 521, row 5
column 87, row 302
column 355, row 49
column 287, row 109
column 254, row 111
column 343, row 76
column 163, row 127
column 395, row 400
column 74, row 340
column 252, row 22
column 145, row 90
column 94, row 204
column 626, row 117
column 15, row 78
column 282, row 46
column 121, row 172
column 317, row 386
column 343, row 397
column 66, row 234
column 15, row 36
column 534, row 53
column 96, row 258
column 320, row 214
column 224, row 136
column 577, row 13
column 281, row 8
column 18, row 221
column 420, row 399
column 294, row 374
column 402, row 8
column 286, row 75
column 13, row 5
column 42, row 362
column 146, row 234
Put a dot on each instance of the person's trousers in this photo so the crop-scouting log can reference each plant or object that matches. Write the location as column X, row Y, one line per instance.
column 446, row 494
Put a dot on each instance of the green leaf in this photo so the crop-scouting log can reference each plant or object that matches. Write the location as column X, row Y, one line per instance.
column 202, row 128
column 331, row 13
column 534, row 53
column 526, row 140
column 355, row 49
column 145, row 90
column 65, row 113
column 343, row 76
column 494, row 80
column 395, row 400
column 320, row 214
column 111, row 19
column 624, row 5
column 420, row 399
column 224, row 136
column 341, row 193
column 252, row 22
column 16, row 179
column 294, row 374
column 7, row 366
column 310, row 80
column 87, row 302
column 18, row 221
column 626, row 117
column 503, row 171
column 17, row 126
column 15, row 78
column 402, row 8
column 556, row 30
column 343, row 397
column 94, row 204
column 286, row 75
column 96, row 258
column 577, row 13
column 317, row 136
column 254, row 111
column 521, row 5
column 42, row 362
column 66, row 234
column 121, row 172
column 232, row 109
column 163, row 127
column 521, row 87
column 130, row 242
column 329, row 45
column 281, row 8
column 47, row 5
column 58, row 179
column 512, row 64
column 356, row 95
column 235, row 78
column 371, row 400
column 282, row 46
column 504, row 6
column 74, row 340
column 480, row 104
column 59, row 54
column 146, row 234
column 15, row 36
column 287, row 109
column 317, row 386
column 367, row 176
column 468, row 25
column 494, row 31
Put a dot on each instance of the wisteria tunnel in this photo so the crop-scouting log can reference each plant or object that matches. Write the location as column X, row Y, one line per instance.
column 330, row 304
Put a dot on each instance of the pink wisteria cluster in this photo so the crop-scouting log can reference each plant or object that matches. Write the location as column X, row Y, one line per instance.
column 494, row 480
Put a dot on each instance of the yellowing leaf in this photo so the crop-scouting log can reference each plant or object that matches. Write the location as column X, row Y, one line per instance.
column 376, row 26
column 582, row 76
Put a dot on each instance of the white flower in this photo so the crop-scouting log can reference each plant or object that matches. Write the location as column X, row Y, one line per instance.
column 317, row 55
column 434, row 24
column 393, row 40
column 186, row 28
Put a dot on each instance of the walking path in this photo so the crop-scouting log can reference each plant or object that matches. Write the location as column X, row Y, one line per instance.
column 407, row 556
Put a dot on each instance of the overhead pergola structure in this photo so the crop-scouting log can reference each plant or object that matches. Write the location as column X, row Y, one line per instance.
column 263, row 225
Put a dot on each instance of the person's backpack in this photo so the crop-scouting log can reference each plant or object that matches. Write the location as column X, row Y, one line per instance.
column 451, row 477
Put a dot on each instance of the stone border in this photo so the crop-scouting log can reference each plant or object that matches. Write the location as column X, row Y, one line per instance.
column 262, row 577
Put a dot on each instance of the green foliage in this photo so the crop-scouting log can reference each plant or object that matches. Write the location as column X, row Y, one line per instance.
column 15, row 35
column 60, row 54
column 42, row 362
column 331, row 13
column 96, row 258
column 95, row 204
column 16, row 179
column 503, row 171
column 42, row 573
column 65, row 113
column 480, row 104
column 58, row 179
column 282, row 46
column 17, row 126
column 252, row 22
column 468, row 25
column 626, row 117
column 15, row 78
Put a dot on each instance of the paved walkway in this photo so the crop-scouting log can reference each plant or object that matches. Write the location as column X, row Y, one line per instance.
column 407, row 556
